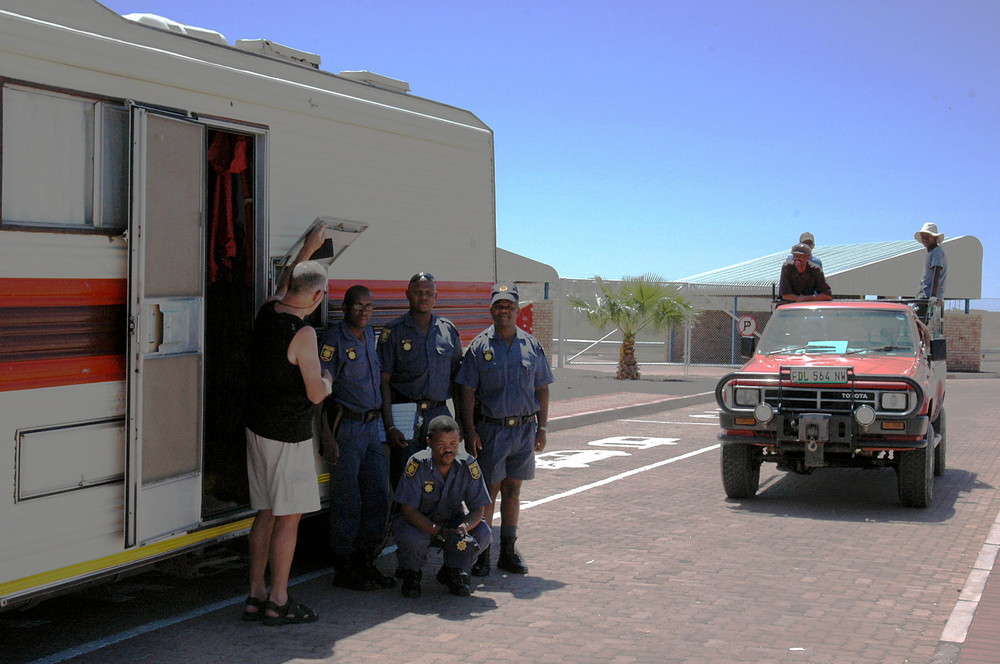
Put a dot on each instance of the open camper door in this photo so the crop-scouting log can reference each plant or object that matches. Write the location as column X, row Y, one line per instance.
column 166, row 304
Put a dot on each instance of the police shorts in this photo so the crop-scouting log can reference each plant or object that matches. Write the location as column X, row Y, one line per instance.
column 282, row 475
column 507, row 451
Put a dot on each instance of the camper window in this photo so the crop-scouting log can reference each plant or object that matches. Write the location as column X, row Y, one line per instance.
column 65, row 160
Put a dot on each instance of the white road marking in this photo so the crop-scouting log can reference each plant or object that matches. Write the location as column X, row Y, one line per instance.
column 573, row 458
column 697, row 424
column 614, row 478
column 633, row 442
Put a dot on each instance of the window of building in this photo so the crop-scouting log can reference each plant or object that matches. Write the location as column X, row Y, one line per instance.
column 65, row 160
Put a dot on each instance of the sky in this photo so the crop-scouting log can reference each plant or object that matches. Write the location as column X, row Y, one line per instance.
column 679, row 136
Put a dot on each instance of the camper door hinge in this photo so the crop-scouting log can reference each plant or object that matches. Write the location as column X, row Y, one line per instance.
column 131, row 325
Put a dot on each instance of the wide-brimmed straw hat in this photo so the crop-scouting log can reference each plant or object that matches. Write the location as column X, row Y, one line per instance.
column 930, row 229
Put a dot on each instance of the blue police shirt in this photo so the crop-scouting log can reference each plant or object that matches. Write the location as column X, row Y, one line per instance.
column 505, row 377
column 357, row 373
column 438, row 497
column 421, row 365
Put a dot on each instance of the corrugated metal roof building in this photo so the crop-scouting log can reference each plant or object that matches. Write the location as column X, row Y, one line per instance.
column 883, row 269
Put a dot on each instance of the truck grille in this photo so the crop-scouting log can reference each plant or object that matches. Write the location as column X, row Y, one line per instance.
column 823, row 400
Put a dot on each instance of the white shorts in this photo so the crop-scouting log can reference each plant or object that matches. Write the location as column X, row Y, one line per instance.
column 282, row 476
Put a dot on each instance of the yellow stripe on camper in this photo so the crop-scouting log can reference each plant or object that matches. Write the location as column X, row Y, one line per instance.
column 136, row 554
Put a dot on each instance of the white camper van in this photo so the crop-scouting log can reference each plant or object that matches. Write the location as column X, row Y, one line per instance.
column 152, row 176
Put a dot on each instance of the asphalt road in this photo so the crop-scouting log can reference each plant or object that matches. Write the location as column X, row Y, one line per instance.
column 636, row 556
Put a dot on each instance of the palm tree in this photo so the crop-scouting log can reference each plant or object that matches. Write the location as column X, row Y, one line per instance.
column 636, row 304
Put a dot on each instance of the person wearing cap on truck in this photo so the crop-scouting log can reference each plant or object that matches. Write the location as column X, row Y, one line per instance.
column 802, row 280
column 806, row 238
column 935, row 266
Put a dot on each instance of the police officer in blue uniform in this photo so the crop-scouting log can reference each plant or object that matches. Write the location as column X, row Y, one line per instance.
column 441, row 495
column 505, row 379
column 351, row 434
column 420, row 354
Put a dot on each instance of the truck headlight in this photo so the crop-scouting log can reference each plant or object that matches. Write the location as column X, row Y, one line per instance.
column 746, row 396
column 864, row 414
column 893, row 401
column 763, row 413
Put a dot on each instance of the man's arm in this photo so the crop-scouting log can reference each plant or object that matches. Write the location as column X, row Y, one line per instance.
column 936, row 284
column 785, row 285
column 823, row 291
column 393, row 435
column 327, row 433
column 472, row 442
column 304, row 353
column 416, row 519
column 454, row 389
column 312, row 242
column 542, row 396
column 472, row 520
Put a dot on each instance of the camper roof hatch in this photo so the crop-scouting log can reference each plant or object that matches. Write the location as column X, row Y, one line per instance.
column 168, row 25
column 279, row 52
column 377, row 80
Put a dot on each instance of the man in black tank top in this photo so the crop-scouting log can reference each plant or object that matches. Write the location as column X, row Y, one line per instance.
column 285, row 382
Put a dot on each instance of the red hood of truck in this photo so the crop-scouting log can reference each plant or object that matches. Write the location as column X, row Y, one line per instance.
column 880, row 365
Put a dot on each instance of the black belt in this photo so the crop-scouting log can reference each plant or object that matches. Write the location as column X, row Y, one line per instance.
column 427, row 404
column 512, row 421
column 365, row 416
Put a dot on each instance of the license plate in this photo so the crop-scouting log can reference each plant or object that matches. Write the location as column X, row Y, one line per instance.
column 829, row 375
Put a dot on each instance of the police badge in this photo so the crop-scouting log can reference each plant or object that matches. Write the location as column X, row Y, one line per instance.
column 411, row 468
column 429, row 486
column 474, row 470
column 385, row 334
column 488, row 355
column 327, row 353
column 407, row 345
column 352, row 354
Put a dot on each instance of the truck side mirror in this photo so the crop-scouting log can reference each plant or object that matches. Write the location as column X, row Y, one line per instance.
column 939, row 349
column 748, row 345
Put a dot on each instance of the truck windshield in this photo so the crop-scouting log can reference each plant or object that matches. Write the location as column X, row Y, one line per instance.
column 837, row 332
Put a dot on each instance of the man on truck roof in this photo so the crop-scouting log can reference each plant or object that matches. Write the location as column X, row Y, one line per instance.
column 802, row 280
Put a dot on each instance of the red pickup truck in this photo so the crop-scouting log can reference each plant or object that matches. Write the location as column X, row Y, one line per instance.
column 844, row 384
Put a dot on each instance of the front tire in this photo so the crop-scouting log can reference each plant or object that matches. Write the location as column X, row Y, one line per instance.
column 740, row 470
column 916, row 474
column 940, row 450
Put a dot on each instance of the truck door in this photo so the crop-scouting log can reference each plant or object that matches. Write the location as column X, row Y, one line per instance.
column 166, row 302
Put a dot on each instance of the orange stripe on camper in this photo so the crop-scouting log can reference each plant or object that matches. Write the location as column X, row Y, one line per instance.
column 35, row 374
column 61, row 292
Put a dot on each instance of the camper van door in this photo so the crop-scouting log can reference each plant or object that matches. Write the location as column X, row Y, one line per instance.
column 166, row 304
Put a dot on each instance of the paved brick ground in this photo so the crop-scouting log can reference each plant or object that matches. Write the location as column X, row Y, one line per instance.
column 659, row 567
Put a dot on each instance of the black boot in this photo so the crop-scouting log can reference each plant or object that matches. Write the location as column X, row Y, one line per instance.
column 411, row 582
column 364, row 563
column 346, row 574
column 458, row 581
column 482, row 565
column 510, row 559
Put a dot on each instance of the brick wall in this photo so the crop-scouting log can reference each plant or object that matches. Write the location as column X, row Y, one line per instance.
column 964, row 335
column 542, row 325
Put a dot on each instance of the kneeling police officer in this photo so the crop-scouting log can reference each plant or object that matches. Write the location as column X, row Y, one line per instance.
column 434, row 486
